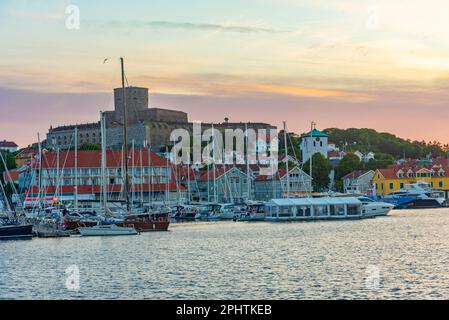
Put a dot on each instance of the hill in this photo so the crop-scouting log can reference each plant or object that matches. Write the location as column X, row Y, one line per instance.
column 384, row 143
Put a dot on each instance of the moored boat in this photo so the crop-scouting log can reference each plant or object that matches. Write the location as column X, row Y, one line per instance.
column 146, row 222
column 416, row 196
column 16, row 232
column 306, row 209
column 107, row 230
column 375, row 208
column 253, row 211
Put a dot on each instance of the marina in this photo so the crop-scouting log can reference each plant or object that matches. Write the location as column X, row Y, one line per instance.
column 227, row 260
column 232, row 156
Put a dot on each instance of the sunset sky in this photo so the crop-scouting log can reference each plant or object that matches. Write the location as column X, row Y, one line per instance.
column 348, row 63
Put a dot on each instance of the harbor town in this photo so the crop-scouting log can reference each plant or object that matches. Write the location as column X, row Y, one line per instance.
column 120, row 176
column 217, row 151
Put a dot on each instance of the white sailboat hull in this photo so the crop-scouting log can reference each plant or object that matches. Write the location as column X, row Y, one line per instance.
column 102, row 231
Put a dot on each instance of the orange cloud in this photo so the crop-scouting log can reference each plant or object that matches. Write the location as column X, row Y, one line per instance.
column 307, row 92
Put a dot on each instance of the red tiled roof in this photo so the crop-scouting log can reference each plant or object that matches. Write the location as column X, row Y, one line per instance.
column 333, row 154
column 355, row 174
column 27, row 153
column 92, row 159
column 183, row 173
column 392, row 172
column 8, row 144
column 388, row 173
column 14, row 174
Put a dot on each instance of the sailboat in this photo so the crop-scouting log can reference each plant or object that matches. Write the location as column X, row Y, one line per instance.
column 10, row 228
column 145, row 222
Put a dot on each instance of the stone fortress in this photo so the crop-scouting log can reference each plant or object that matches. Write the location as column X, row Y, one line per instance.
column 145, row 125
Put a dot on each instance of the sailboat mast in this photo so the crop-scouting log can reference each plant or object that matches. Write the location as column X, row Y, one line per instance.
column 76, row 168
column 214, row 167
column 125, row 137
column 150, row 172
column 169, row 172
column 58, row 183
column 248, row 181
column 286, row 159
column 141, row 175
column 133, row 173
column 312, row 127
column 39, row 183
column 189, row 198
column 103, row 163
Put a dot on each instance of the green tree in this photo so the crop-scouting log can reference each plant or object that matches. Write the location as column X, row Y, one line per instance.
column 370, row 140
column 10, row 159
column 348, row 164
column 321, row 169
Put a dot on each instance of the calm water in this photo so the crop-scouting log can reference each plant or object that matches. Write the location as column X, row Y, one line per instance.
column 403, row 256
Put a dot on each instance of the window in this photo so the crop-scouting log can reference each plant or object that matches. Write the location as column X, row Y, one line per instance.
column 402, row 185
column 440, row 184
column 391, row 186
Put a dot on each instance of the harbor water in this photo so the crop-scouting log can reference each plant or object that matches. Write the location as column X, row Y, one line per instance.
column 402, row 256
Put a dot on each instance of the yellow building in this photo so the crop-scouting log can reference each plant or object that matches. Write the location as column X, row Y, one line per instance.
column 395, row 178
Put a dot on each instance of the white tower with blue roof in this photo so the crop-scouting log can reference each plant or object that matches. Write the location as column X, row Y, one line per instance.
column 313, row 142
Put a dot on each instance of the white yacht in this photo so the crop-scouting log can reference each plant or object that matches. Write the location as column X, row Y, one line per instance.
column 416, row 195
column 224, row 211
column 253, row 211
column 375, row 208
column 107, row 230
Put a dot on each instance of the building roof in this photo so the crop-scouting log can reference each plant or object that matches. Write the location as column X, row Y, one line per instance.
column 279, row 175
column 315, row 134
column 333, row 154
column 8, row 144
column 184, row 173
column 218, row 173
column 84, row 126
column 392, row 172
column 26, row 153
column 356, row 174
column 13, row 174
column 92, row 159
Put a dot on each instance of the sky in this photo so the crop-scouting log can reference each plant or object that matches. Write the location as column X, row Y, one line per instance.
column 349, row 63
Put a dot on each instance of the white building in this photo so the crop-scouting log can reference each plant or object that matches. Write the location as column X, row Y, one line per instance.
column 8, row 146
column 270, row 187
column 365, row 157
column 314, row 142
column 358, row 182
